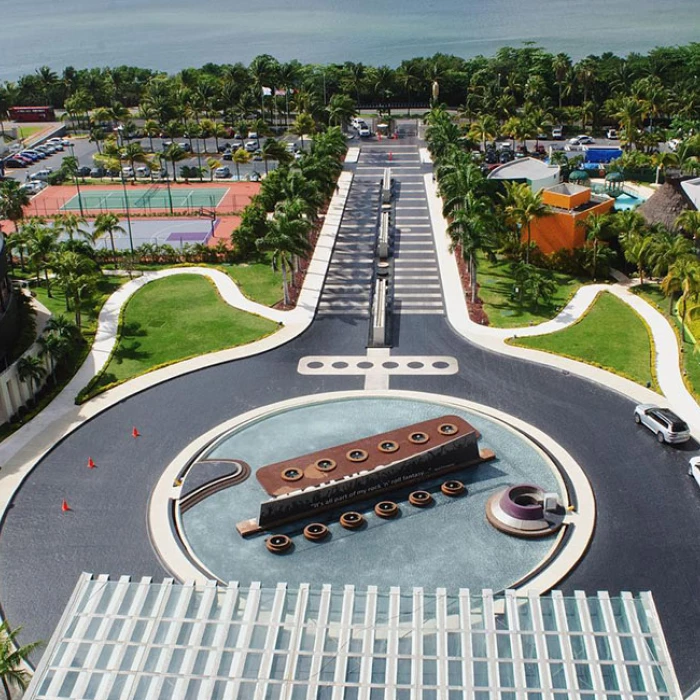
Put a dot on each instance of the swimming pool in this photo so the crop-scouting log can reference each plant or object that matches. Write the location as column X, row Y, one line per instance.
column 628, row 201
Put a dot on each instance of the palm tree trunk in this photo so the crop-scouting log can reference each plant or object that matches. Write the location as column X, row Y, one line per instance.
column 114, row 250
column 527, row 251
column 6, row 688
column 284, row 284
column 48, row 284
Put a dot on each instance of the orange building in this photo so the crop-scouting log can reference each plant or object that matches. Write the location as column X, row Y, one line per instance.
column 569, row 205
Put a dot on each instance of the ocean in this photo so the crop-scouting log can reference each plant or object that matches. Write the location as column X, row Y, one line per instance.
column 173, row 34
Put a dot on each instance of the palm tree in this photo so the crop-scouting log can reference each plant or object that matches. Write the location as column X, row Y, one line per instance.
column 484, row 129
column 175, row 154
column 31, row 369
column 303, row 125
column 76, row 275
column 597, row 228
column 666, row 249
column 41, row 243
column 683, row 276
column 133, row 153
column 108, row 222
column 561, row 65
column 522, row 207
column 637, row 249
column 13, row 199
column 53, row 347
column 689, row 223
column 285, row 239
column 70, row 224
column 275, row 150
column 13, row 659
column 341, row 109
column 470, row 228
column 240, row 157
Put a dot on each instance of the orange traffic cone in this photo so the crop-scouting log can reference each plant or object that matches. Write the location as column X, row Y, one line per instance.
column 91, row 463
column 64, row 506
column 135, row 433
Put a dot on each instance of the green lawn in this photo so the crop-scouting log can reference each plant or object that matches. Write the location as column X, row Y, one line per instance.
column 24, row 132
column 257, row 281
column 172, row 319
column 690, row 357
column 611, row 335
column 496, row 287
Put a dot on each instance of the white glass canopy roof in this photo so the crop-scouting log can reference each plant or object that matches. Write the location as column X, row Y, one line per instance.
column 145, row 640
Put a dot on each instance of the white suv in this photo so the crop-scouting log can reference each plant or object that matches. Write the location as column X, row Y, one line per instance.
column 664, row 423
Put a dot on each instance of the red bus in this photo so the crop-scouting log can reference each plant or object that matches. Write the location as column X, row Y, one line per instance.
column 32, row 114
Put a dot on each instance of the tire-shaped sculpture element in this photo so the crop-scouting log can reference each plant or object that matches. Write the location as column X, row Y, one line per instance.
column 419, row 437
column 447, row 429
column 292, row 474
column 315, row 532
column 278, row 543
column 351, row 520
column 386, row 509
column 357, row 455
column 452, row 488
column 420, row 499
column 388, row 446
column 325, row 464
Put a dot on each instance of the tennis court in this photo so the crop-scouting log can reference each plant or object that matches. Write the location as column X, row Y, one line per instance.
column 156, row 197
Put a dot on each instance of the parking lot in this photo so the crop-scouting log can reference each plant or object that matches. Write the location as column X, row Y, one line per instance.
column 205, row 149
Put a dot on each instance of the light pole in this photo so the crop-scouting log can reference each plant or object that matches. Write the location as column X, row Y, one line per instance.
column 75, row 175
column 128, row 216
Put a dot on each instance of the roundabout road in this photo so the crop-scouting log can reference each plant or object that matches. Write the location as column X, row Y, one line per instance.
column 646, row 504
column 648, row 511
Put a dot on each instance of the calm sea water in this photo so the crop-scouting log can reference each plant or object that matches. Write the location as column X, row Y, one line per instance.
column 172, row 34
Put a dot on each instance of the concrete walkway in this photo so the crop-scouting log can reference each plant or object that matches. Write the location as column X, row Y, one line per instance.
column 667, row 363
column 24, row 448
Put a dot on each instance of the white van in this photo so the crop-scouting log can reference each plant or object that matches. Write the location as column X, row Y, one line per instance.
column 558, row 133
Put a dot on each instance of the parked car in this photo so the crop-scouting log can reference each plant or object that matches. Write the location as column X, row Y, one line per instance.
column 97, row 172
column 491, row 157
column 505, row 156
column 612, row 134
column 558, row 133
column 48, row 150
column 364, row 131
column 56, row 143
column 251, row 146
column 28, row 155
column 223, row 147
column 84, row 171
column 14, row 162
column 664, row 423
column 185, row 146
column 253, row 135
column 222, row 173
column 42, row 174
column 143, row 171
column 227, row 155
column 33, row 187
column 255, row 176
column 39, row 154
column 585, row 139
column 235, row 145
column 127, row 171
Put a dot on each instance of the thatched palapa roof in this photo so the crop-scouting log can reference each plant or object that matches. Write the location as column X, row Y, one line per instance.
column 666, row 204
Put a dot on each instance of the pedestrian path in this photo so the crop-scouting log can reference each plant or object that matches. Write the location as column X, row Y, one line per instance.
column 348, row 283
column 416, row 280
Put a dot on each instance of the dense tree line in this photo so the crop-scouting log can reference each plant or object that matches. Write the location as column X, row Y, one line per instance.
column 653, row 87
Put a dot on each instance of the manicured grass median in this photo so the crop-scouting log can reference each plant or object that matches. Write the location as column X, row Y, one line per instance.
column 611, row 335
column 496, row 289
column 172, row 319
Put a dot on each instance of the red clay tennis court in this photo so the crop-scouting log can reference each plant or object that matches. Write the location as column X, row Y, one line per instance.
column 143, row 199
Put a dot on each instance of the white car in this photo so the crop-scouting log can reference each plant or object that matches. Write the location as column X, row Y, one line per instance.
column 364, row 130
column 694, row 469
column 143, row 171
column 664, row 423
column 585, row 139
column 42, row 174
column 612, row 134
column 558, row 133
column 33, row 187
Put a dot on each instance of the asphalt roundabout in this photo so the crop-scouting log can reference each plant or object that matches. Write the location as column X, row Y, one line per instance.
column 452, row 538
